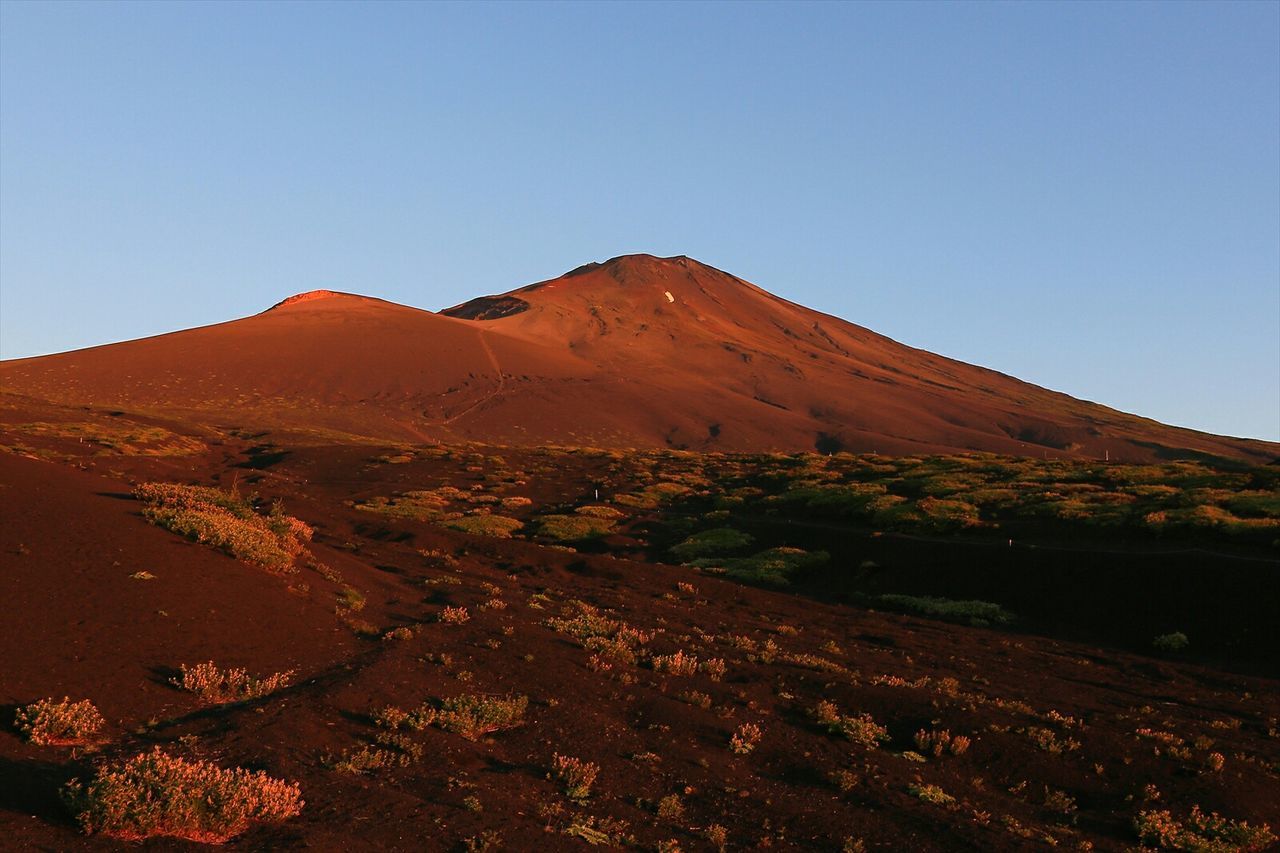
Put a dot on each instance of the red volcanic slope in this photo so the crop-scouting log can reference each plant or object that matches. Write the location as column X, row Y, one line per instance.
column 635, row 352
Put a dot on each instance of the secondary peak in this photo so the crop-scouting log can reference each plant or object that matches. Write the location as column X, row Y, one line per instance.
column 313, row 295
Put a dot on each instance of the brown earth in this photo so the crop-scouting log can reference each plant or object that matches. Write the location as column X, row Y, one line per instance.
column 78, row 624
column 637, row 352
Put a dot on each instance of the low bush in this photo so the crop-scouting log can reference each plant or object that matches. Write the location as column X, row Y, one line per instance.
column 370, row 759
column 498, row 526
column 573, row 528
column 577, row 776
column 931, row 794
column 976, row 613
column 454, row 615
column 861, row 729
column 670, row 807
column 65, row 723
column 1049, row 740
column 1175, row 642
column 225, row 521
column 599, row 511
column 771, row 567
column 745, row 739
column 155, row 794
column 939, row 743
column 675, row 664
column 718, row 540
column 474, row 716
column 216, row 686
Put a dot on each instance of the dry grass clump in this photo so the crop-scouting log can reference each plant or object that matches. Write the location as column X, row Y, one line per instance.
column 65, row 723
column 474, row 716
column 225, row 521
column 1049, row 741
column 217, row 687
column 941, row 742
column 714, row 668
column 860, row 729
column 454, row 615
column 931, row 794
column 156, row 794
column 670, row 807
column 1201, row 833
column 577, row 776
column 695, row 698
column 745, row 739
column 390, row 749
column 676, row 664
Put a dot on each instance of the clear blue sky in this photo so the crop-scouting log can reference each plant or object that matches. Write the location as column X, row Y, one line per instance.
column 1084, row 195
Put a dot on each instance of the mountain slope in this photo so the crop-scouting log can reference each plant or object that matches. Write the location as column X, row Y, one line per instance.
column 636, row 352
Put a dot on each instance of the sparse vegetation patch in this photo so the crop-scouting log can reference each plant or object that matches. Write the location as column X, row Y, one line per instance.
column 225, row 521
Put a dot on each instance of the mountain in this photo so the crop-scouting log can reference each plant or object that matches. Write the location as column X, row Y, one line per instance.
column 638, row 351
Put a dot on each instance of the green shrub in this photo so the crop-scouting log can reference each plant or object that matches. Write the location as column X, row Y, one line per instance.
column 1175, row 642
column 598, row 511
column 978, row 613
column 717, row 540
column 418, row 505
column 772, row 567
column 573, row 528
column 499, row 526
column 943, row 514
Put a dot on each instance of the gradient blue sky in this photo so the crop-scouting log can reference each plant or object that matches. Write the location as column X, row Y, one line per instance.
column 1084, row 195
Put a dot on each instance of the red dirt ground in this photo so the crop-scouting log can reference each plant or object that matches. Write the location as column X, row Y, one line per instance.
column 79, row 625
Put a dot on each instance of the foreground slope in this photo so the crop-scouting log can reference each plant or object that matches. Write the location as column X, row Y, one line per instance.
column 1072, row 744
column 636, row 352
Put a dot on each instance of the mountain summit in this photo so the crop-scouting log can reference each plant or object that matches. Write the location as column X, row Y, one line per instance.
column 638, row 351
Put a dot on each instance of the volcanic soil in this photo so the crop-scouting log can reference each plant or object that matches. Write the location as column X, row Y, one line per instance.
column 636, row 352
column 1073, row 730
